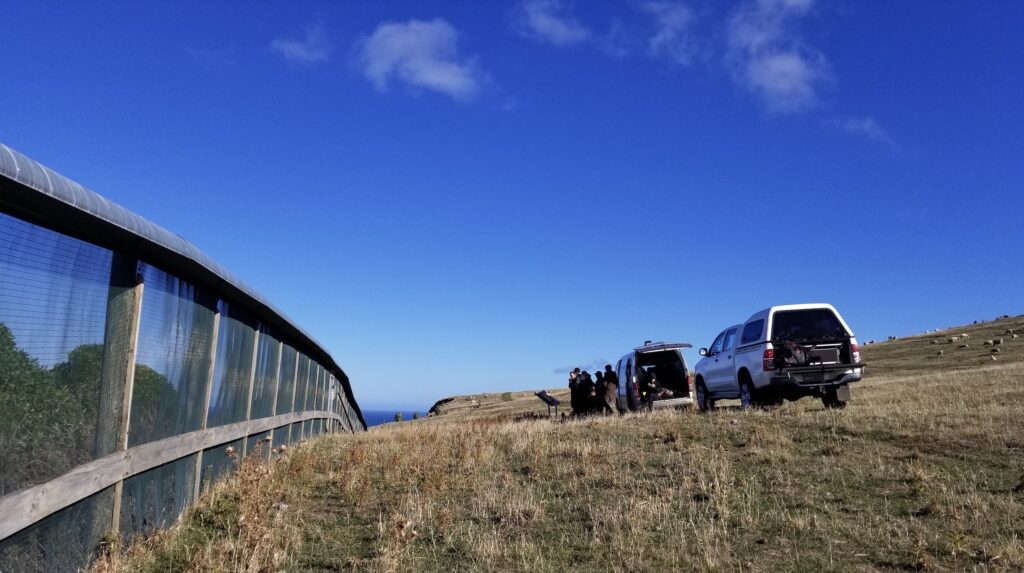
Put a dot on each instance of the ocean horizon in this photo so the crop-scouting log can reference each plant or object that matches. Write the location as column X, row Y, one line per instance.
column 378, row 417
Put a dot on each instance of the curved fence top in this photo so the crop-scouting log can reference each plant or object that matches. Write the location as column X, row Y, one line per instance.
column 69, row 202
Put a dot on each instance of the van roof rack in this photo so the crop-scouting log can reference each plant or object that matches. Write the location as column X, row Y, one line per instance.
column 661, row 345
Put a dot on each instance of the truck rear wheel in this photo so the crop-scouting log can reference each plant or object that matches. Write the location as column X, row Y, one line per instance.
column 747, row 399
column 749, row 396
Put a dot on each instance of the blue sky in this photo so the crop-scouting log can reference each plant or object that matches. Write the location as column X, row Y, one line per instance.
column 458, row 197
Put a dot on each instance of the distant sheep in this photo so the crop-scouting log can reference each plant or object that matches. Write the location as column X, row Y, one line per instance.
column 935, row 342
column 997, row 342
column 1008, row 331
column 987, row 343
column 941, row 353
column 995, row 351
column 965, row 335
column 953, row 339
column 1015, row 336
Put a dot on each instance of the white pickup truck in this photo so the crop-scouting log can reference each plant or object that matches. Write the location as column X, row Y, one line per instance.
column 781, row 353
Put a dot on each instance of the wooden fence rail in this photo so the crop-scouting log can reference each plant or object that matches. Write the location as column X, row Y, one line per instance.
column 26, row 507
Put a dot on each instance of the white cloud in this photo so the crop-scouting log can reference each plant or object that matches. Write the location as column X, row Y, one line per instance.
column 420, row 54
column 770, row 59
column 314, row 49
column 866, row 127
column 672, row 23
column 545, row 21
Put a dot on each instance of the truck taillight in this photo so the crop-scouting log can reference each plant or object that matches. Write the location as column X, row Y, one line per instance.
column 769, row 360
column 855, row 353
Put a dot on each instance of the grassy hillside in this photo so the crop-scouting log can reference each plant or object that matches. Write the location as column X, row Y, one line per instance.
column 924, row 471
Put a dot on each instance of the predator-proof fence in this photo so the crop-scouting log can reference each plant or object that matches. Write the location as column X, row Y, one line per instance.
column 134, row 372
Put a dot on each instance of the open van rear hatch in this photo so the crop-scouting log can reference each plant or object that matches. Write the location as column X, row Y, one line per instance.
column 659, row 346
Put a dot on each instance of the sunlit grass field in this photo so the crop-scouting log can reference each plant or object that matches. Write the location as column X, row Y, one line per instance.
column 923, row 471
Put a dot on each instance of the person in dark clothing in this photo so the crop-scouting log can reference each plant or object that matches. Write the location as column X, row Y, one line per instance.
column 574, row 390
column 611, row 390
column 597, row 400
column 642, row 382
column 654, row 390
column 587, row 390
column 610, row 375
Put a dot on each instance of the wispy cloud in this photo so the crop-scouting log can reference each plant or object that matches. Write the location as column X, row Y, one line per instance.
column 422, row 54
column 866, row 127
column 672, row 21
column 549, row 21
column 314, row 49
column 770, row 59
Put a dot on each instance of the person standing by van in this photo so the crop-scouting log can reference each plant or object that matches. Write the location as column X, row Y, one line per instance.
column 574, row 389
column 586, row 390
column 611, row 389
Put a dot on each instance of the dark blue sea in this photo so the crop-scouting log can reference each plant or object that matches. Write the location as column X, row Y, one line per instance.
column 378, row 417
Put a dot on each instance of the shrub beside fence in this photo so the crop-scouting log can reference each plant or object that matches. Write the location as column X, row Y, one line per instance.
column 133, row 372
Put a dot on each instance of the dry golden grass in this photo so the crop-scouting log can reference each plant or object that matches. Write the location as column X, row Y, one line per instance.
column 923, row 471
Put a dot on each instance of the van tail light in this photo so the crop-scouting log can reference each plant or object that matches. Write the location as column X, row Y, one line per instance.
column 855, row 352
column 689, row 385
column 769, row 360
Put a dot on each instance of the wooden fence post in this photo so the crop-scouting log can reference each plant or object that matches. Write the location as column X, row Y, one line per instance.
column 277, row 384
column 129, row 379
column 207, row 392
column 295, row 383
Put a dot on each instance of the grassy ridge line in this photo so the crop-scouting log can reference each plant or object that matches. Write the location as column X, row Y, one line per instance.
column 922, row 472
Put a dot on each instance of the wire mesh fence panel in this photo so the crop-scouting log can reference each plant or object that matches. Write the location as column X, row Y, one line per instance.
column 172, row 360
column 230, row 394
column 64, row 541
column 314, row 381
column 218, row 462
column 72, row 317
column 286, row 385
column 281, row 436
column 266, row 376
column 257, row 445
column 318, row 396
column 53, row 301
column 302, row 383
column 349, row 414
column 155, row 498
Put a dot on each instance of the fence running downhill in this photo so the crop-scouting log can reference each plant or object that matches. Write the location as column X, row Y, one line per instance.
column 134, row 371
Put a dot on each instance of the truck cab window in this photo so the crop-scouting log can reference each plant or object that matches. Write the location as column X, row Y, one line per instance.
column 730, row 338
column 716, row 346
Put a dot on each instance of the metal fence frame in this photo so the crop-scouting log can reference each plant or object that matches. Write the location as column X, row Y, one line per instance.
column 38, row 195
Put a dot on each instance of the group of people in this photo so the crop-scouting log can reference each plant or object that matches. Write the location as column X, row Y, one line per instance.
column 593, row 394
column 597, row 394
